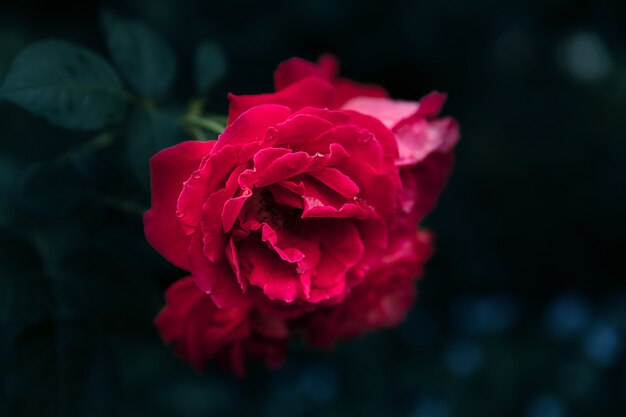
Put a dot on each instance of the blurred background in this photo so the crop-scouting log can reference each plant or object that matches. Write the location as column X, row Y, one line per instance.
column 522, row 310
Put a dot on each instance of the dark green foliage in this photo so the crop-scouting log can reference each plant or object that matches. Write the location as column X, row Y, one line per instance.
column 210, row 66
column 79, row 285
column 145, row 60
column 149, row 131
column 67, row 84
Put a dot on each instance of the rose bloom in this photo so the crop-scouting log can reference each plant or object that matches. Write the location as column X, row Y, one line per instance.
column 301, row 218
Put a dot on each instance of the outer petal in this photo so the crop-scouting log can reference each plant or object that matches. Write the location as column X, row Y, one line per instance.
column 422, row 184
column 310, row 91
column 393, row 113
column 381, row 133
column 168, row 321
column 430, row 105
column 326, row 68
column 217, row 279
column 380, row 301
column 418, row 139
column 252, row 126
column 170, row 168
column 296, row 69
column 199, row 329
column 388, row 111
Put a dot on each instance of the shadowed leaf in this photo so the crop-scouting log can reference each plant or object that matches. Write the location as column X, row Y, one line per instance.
column 66, row 84
column 149, row 132
column 210, row 66
column 145, row 60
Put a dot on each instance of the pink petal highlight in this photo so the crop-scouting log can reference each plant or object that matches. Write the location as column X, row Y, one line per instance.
column 416, row 140
column 389, row 112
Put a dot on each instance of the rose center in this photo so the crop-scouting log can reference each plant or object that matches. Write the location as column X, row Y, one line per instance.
column 267, row 210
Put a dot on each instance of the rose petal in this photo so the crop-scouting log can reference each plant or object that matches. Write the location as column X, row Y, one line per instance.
column 431, row 104
column 334, row 117
column 199, row 329
column 382, row 300
column 296, row 69
column 310, row 91
column 269, row 326
column 233, row 260
column 382, row 134
column 232, row 210
column 291, row 164
column 300, row 247
column 389, row 112
column 285, row 197
column 342, row 248
column 209, row 178
column 266, row 157
column 337, row 181
column 322, row 201
column 327, row 67
column 297, row 129
column 360, row 143
column 330, row 281
column 252, row 124
column 416, row 140
column 237, row 145
column 169, row 319
column 265, row 269
column 343, row 241
column 423, row 183
column 217, row 279
column 212, row 222
column 287, row 251
column 169, row 169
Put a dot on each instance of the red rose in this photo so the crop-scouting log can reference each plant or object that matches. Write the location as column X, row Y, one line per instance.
column 287, row 214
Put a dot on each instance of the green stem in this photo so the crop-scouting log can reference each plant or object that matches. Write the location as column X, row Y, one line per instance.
column 203, row 122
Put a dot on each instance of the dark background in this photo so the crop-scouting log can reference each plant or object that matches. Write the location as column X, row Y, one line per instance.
column 521, row 312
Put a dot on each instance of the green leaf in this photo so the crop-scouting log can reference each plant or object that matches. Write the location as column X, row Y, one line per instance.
column 149, row 132
column 210, row 66
column 145, row 60
column 66, row 84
